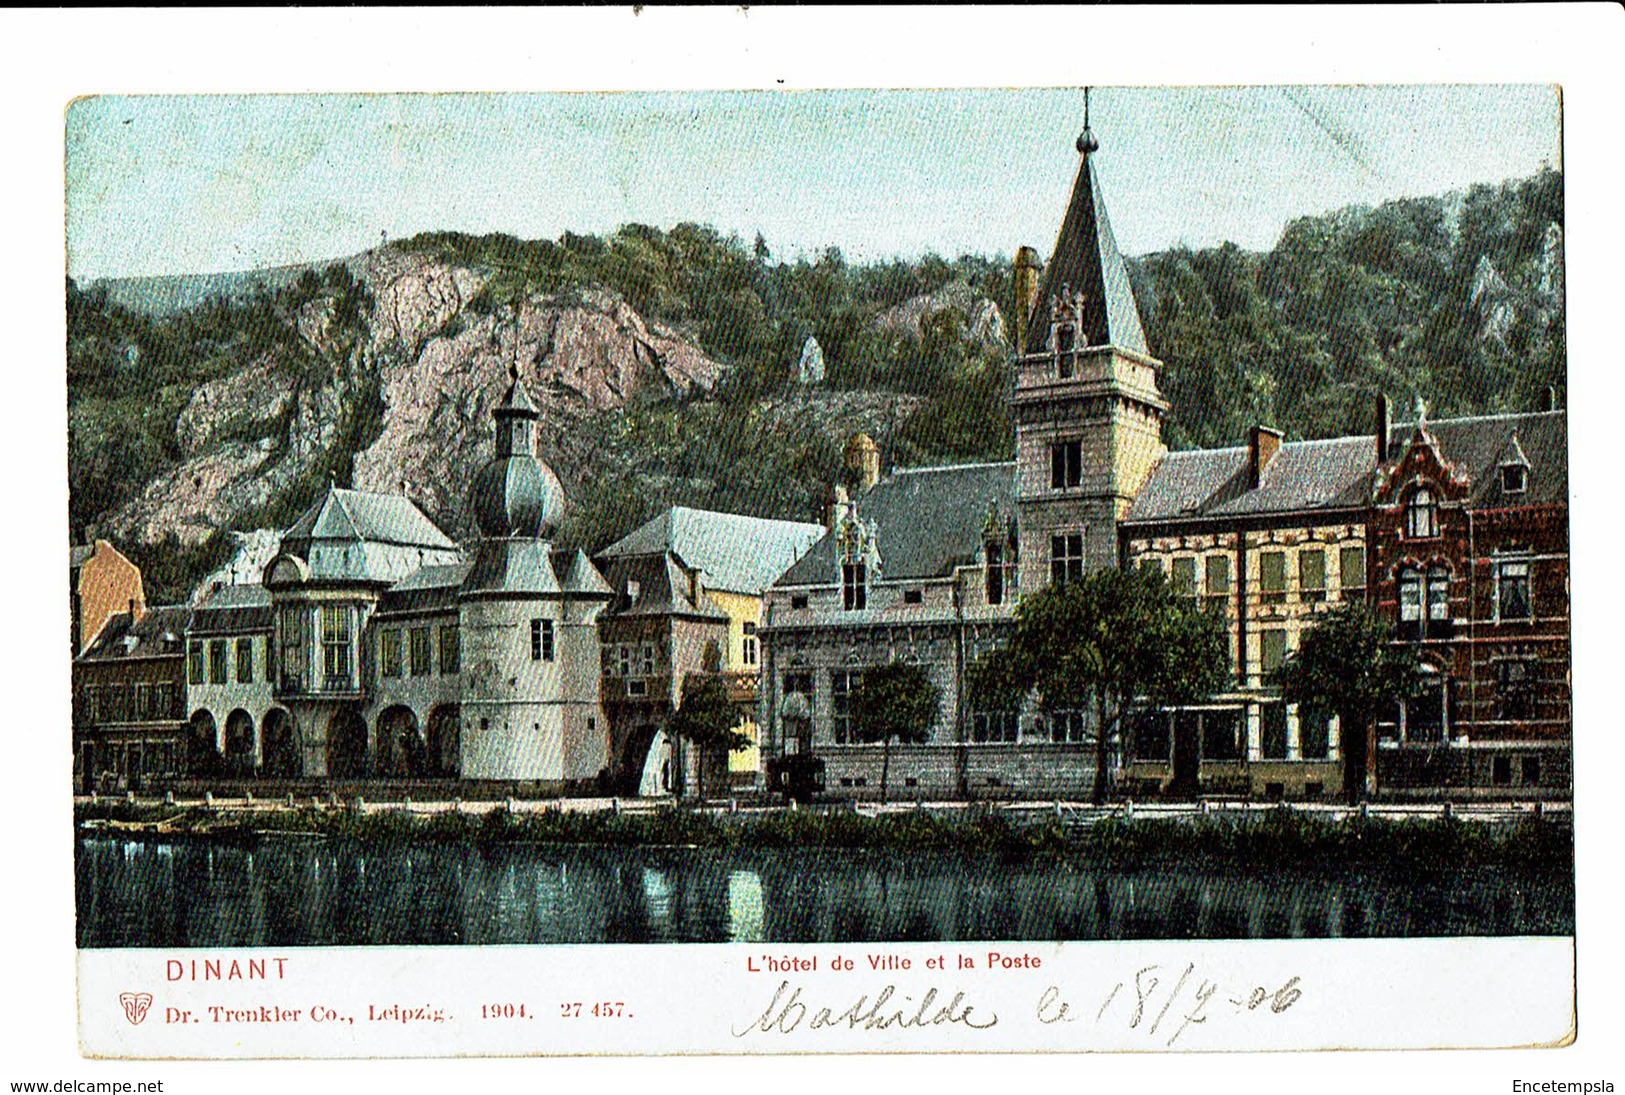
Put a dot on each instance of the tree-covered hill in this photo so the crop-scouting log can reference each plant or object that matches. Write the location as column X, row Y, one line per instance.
column 684, row 388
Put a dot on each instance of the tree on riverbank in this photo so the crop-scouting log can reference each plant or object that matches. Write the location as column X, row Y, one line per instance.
column 1349, row 665
column 894, row 701
column 709, row 721
column 1111, row 642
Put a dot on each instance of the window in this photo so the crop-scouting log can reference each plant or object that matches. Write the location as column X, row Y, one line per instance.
column 646, row 656
column 422, row 652
column 1151, row 564
column 1221, row 735
column 1272, row 730
column 1422, row 515
column 801, row 684
column 1514, row 690
column 1272, row 577
column 1001, row 572
column 194, row 663
column 1514, row 478
column 1070, row 727
column 1150, row 737
column 1182, row 575
column 1501, row 770
column 1438, row 595
column 624, row 655
column 1065, row 338
column 451, row 648
column 1271, row 650
column 1065, row 464
column 217, row 661
column 842, row 683
column 1512, row 590
column 854, row 587
column 541, row 640
column 913, row 596
column 1066, row 558
column 748, row 653
column 798, row 600
column 293, row 630
column 1314, row 734
column 389, row 653
column 995, row 726
column 336, row 646
column 1410, row 602
column 1218, row 576
column 1351, row 573
column 1312, row 575
column 245, row 661
column 1531, row 771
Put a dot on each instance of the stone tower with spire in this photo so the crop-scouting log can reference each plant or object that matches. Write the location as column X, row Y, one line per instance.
column 1088, row 414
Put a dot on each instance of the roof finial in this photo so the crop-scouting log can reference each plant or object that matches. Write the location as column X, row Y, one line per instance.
column 1086, row 139
column 513, row 371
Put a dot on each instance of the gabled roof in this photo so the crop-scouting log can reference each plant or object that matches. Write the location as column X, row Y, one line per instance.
column 738, row 554
column 926, row 520
column 1086, row 260
column 366, row 516
column 157, row 631
column 1337, row 473
column 663, row 588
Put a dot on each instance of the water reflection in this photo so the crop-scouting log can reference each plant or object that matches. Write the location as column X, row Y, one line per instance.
column 336, row 893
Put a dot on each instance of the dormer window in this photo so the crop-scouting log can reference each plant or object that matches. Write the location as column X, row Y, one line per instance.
column 1514, row 478
column 854, row 587
column 1065, row 340
column 1422, row 515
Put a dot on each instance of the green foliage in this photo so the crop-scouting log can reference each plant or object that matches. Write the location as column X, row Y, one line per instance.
column 708, row 720
column 1347, row 664
column 894, row 702
column 1112, row 640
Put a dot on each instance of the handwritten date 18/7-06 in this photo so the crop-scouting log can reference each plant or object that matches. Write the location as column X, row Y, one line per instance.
column 602, row 1009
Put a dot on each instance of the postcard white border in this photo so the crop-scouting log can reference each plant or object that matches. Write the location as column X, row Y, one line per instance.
column 61, row 55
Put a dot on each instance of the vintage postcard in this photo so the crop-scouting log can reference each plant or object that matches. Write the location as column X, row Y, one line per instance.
column 1059, row 568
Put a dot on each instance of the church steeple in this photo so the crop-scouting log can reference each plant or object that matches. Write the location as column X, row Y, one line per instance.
column 1085, row 291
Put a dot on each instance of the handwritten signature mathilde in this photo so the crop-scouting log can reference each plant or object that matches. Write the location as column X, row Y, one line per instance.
column 1160, row 1002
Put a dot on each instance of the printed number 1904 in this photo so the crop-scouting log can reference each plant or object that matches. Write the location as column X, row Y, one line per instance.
column 606, row 1009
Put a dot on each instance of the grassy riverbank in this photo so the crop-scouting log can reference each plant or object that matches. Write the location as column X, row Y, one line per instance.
column 1264, row 840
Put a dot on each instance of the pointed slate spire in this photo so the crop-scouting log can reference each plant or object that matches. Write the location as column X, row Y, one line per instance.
column 1085, row 266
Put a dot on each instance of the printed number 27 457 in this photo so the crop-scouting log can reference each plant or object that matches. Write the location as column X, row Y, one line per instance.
column 605, row 1009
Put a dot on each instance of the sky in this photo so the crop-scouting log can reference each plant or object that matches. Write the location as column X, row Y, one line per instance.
column 203, row 184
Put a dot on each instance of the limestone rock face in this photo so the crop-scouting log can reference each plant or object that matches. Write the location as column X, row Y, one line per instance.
column 412, row 394
column 983, row 321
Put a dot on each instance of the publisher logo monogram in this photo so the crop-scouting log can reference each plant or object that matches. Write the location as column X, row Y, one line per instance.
column 135, row 1005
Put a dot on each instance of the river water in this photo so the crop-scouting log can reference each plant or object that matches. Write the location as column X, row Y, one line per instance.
column 297, row 892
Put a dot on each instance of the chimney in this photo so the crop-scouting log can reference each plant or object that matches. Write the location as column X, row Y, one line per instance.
column 1385, row 426
column 839, row 507
column 1025, row 279
column 1548, row 400
column 1262, row 445
column 860, row 464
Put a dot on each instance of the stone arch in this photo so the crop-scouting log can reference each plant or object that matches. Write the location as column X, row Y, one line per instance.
column 399, row 750
column 346, row 745
column 203, row 744
column 279, row 749
column 632, row 765
column 445, row 739
column 240, row 751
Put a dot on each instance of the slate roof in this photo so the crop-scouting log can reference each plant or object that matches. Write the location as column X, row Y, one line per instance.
column 232, row 609
column 927, row 521
column 1086, row 260
column 428, row 589
column 530, row 567
column 663, row 589
column 1337, row 473
column 357, row 515
column 157, row 631
column 78, row 553
column 738, row 554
